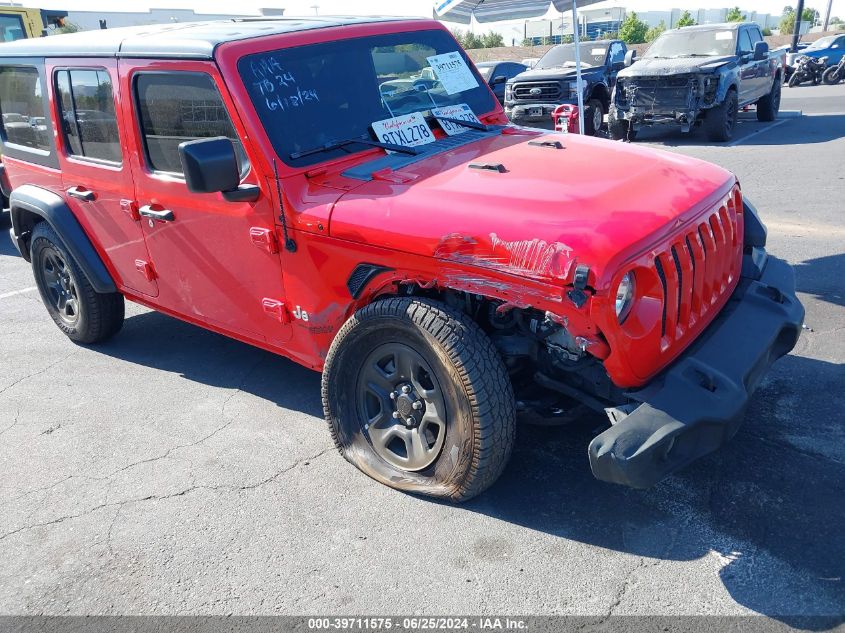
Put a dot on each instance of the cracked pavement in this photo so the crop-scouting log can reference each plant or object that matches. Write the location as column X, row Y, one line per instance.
column 173, row 471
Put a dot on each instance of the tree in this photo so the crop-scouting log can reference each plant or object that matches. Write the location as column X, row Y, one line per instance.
column 633, row 30
column 492, row 40
column 735, row 15
column 835, row 20
column 655, row 31
column 686, row 19
column 767, row 32
column 787, row 22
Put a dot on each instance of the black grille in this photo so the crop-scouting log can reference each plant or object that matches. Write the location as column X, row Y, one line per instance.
column 661, row 93
column 549, row 91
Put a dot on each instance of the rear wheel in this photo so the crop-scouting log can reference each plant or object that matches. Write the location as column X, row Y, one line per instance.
column 768, row 106
column 82, row 313
column 719, row 123
column 833, row 75
column 417, row 397
column 593, row 117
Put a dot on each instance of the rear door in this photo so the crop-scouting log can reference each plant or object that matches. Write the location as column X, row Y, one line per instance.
column 216, row 262
column 96, row 174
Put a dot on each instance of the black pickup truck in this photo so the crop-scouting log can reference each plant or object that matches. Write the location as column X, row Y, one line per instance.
column 531, row 96
column 698, row 75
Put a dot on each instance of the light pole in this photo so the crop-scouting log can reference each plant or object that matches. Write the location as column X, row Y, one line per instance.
column 316, row 8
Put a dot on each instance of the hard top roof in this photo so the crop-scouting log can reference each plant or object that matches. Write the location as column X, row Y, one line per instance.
column 194, row 40
column 721, row 26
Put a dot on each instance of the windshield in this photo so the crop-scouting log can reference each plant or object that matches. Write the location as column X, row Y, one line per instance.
column 592, row 54
column 316, row 95
column 689, row 43
column 823, row 42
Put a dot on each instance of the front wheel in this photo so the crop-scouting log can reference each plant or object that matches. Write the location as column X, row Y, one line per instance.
column 833, row 75
column 794, row 80
column 417, row 397
column 619, row 129
column 719, row 122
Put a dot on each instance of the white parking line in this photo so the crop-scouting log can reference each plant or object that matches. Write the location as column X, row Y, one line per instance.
column 17, row 292
column 742, row 140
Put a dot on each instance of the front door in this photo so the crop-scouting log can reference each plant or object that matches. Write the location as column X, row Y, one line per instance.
column 216, row 262
column 96, row 174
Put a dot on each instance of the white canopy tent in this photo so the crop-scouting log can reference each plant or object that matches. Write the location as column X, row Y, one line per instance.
column 463, row 11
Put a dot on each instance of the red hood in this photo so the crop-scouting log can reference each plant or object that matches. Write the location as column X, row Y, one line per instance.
column 594, row 202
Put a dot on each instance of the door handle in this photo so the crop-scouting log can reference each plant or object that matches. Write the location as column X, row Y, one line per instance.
column 165, row 215
column 81, row 194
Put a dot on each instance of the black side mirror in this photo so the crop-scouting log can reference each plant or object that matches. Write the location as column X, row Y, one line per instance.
column 210, row 165
column 498, row 79
column 761, row 51
column 617, row 66
column 630, row 57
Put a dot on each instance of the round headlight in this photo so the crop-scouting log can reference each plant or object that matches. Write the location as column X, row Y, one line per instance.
column 624, row 296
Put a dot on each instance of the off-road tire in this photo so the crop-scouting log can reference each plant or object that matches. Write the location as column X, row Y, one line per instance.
column 619, row 129
column 832, row 75
column 480, row 406
column 98, row 316
column 720, row 121
column 794, row 80
column 593, row 106
column 768, row 106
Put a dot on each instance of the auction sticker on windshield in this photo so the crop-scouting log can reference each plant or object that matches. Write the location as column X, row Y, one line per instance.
column 460, row 111
column 409, row 130
column 452, row 71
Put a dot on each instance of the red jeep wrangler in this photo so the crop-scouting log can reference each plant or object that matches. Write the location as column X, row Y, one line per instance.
column 348, row 193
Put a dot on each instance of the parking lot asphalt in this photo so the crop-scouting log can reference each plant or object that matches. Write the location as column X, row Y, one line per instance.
column 174, row 471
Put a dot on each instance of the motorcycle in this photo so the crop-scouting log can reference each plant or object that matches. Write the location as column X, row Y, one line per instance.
column 835, row 74
column 808, row 69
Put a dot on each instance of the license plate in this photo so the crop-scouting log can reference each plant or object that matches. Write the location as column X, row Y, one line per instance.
column 409, row 130
column 461, row 112
column 535, row 111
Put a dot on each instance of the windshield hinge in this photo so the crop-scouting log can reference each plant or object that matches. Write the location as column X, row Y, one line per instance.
column 579, row 285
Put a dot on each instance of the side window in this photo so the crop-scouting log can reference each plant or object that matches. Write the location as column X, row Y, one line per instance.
column 511, row 70
column 754, row 32
column 11, row 28
column 617, row 53
column 744, row 43
column 22, row 106
column 86, row 112
column 178, row 107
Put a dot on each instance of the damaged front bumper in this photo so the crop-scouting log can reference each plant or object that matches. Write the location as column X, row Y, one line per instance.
column 697, row 404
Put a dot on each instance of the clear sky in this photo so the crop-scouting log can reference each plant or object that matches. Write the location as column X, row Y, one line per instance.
column 400, row 7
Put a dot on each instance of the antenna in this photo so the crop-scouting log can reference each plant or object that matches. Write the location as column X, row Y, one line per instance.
column 290, row 245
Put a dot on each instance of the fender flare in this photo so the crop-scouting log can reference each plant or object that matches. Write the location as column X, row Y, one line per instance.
column 728, row 79
column 52, row 209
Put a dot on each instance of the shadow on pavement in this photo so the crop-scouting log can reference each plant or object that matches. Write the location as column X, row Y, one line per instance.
column 6, row 246
column 822, row 277
column 155, row 340
column 777, row 487
column 802, row 130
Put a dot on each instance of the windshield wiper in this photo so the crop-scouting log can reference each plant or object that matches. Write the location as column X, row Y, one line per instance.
column 475, row 125
column 331, row 145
